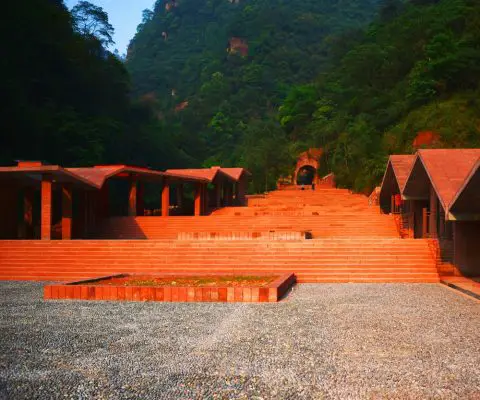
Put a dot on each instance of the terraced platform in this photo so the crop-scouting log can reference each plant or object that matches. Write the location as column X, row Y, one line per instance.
column 350, row 242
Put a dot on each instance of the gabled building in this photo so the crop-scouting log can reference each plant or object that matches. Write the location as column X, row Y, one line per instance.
column 464, row 211
column 434, row 180
column 438, row 198
column 394, row 179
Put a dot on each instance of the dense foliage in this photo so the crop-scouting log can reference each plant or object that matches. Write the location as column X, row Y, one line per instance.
column 313, row 77
column 415, row 69
column 66, row 99
column 241, row 82
column 234, row 63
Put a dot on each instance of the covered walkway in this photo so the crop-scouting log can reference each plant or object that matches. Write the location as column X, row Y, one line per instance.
column 39, row 201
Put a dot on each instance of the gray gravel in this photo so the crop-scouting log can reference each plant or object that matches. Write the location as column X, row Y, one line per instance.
column 325, row 341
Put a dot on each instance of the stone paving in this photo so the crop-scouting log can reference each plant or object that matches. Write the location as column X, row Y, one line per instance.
column 348, row 341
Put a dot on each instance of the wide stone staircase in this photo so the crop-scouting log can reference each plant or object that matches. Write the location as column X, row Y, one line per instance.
column 368, row 259
column 324, row 236
column 320, row 213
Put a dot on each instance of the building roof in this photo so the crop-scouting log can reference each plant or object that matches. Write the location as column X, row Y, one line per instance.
column 94, row 177
column 210, row 174
column 34, row 172
column 395, row 176
column 469, row 190
column 236, row 173
column 401, row 164
column 448, row 169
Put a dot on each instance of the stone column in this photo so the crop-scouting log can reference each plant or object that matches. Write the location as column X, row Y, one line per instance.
column 424, row 222
column 218, row 195
column 432, row 223
column 132, row 197
column 46, row 208
column 205, row 206
column 140, row 199
column 28, row 196
column 66, row 211
column 104, row 201
column 198, row 202
column 242, row 191
column 165, row 198
column 81, row 222
column 180, row 195
column 228, row 195
column 236, row 198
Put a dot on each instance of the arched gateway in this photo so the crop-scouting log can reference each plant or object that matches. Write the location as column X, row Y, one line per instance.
column 306, row 170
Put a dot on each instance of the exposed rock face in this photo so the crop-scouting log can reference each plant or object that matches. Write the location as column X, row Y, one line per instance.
column 426, row 139
column 182, row 106
column 238, row 45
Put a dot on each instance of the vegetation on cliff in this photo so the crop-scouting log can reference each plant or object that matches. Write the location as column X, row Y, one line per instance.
column 218, row 72
column 415, row 69
column 242, row 82
column 66, row 98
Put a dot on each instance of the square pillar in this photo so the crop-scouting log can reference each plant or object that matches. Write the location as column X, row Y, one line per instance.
column 179, row 195
column 242, row 191
column 132, row 197
column 140, row 199
column 205, row 199
column 27, row 229
column 236, row 196
column 66, row 212
column 228, row 201
column 432, row 222
column 165, row 198
column 218, row 195
column 46, row 208
column 424, row 223
column 198, row 201
column 104, row 199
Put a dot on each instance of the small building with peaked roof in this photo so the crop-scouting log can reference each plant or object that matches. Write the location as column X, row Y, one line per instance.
column 394, row 179
column 440, row 200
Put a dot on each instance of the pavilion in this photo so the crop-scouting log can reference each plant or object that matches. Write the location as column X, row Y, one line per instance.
column 228, row 185
column 53, row 202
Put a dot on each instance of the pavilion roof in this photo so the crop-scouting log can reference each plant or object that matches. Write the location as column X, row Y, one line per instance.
column 235, row 173
column 35, row 172
column 96, row 176
column 448, row 170
column 470, row 185
column 100, row 173
column 205, row 173
column 401, row 164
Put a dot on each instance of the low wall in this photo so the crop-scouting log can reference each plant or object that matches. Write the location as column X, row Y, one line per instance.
column 83, row 291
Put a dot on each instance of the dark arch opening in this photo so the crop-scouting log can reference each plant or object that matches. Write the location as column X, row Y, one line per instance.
column 306, row 175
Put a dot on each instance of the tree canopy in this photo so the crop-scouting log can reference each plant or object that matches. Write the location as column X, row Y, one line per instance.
column 241, row 83
column 66, row 98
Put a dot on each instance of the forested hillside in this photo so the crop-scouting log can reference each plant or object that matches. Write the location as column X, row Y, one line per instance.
column 416, row 69
column 310, row 74
column 218, row 71
column 65, row 98
column 241, row 82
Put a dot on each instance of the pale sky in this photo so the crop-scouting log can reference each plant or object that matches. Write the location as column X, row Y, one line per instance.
column 124, row 15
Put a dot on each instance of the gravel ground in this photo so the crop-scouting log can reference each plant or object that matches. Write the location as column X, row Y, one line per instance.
column 324, row 341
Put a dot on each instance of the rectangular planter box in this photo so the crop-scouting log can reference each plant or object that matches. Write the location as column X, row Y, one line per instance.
column 84, row 290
